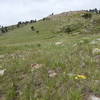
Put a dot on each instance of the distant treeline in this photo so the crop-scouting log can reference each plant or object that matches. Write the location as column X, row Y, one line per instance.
column 21, row 24
column 18, row 25
column 94, row 11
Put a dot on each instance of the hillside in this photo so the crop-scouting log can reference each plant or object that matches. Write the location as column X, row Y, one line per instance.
column 58, row 60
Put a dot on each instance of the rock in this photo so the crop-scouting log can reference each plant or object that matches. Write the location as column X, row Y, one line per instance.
column 90, row 95
column 97, row 81
column 58, row 43
column 2, row 72
column 93, row 97
column 35, row 66
column 2, row 56
column 98, row 39
column 52, row 73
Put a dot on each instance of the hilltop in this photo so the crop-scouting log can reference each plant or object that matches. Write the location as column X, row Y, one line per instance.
column 55, row 58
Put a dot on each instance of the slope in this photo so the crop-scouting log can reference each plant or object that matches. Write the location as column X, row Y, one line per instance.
column 56, row 63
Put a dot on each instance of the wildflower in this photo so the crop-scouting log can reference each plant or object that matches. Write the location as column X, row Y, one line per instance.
column 96, row 51
column 76, row 77
column 80, row 77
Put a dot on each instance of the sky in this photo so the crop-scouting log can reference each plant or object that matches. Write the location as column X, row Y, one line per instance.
column 13, row 11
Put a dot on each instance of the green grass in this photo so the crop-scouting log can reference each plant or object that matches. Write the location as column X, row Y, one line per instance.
column 22, row 47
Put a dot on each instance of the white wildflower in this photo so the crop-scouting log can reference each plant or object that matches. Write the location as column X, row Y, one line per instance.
column 96, row 51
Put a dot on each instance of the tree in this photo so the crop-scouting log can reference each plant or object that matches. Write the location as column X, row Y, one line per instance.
column 52, row 14
column 96, row 10
column 33, row 21
column 2, row 29
column 6, row 29
column 19, row 24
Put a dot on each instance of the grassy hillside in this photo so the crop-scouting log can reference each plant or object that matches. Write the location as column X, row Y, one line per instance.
column 52, row 64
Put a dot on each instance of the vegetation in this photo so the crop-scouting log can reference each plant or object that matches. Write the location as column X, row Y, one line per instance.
column 32, row 28
column 51, row 65
column 87, row 15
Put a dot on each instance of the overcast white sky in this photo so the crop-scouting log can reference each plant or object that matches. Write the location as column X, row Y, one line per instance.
column 12, row 11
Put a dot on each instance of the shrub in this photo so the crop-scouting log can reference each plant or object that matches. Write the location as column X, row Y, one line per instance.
column 37, row 31
column 67, row 30
column 70, row 28
column 45, row 19
column 32, row 28
column 27, row 22
column 86, row 15
column 94, row 11
column 4, row 29
column 33, row 21
column 39, row 45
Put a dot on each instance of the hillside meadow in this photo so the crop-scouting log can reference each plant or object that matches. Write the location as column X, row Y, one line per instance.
column 59, row 62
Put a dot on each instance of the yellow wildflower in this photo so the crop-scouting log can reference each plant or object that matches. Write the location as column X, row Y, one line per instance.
column 80, row 77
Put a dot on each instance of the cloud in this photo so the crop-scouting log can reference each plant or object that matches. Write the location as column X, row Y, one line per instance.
column 12, row 11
